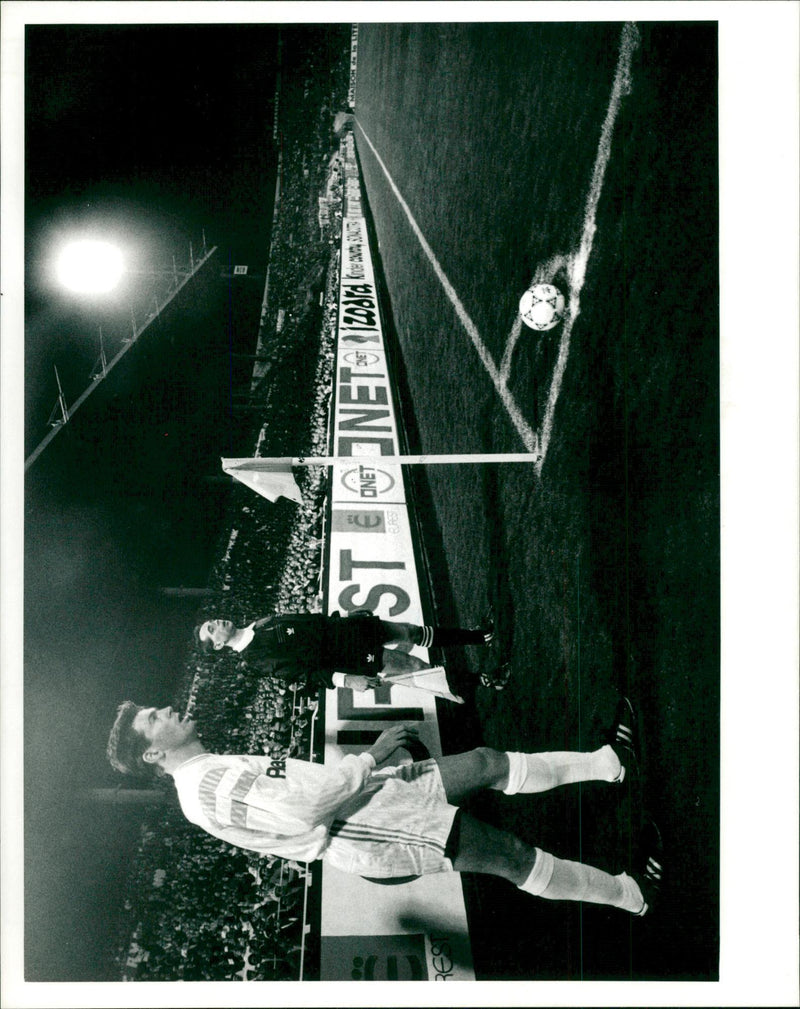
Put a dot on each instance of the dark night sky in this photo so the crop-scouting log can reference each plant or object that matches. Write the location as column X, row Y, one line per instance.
column 148, row 135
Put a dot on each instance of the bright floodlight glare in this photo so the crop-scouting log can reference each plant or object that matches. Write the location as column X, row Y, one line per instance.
column 90, row 266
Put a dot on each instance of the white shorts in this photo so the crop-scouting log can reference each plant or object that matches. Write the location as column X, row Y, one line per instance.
column 398, row 826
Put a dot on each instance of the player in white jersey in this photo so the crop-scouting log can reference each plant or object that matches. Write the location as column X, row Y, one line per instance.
column 390, row 822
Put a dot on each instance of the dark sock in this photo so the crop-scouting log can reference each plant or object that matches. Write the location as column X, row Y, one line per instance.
column 446, row 637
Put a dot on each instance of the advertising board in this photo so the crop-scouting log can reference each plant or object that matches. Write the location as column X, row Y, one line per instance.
column 416, row 930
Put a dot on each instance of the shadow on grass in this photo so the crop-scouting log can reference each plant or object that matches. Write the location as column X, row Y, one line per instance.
column 498, row 589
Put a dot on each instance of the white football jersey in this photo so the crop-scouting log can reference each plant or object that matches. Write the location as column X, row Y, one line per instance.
column 272, row 806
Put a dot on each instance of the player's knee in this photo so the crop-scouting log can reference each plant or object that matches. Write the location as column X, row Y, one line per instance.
column 490, row 765
column 520, row 858
column 413, row 633
column 395, row 631
column 511, row 858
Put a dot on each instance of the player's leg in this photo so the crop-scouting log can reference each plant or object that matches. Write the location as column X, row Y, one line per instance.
column 465, row 773
column 428, row 636
column 480, row 847
column 398, row 660
column 515, row 773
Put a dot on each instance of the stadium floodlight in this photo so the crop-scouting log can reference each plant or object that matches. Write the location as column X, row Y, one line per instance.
column 90, row 266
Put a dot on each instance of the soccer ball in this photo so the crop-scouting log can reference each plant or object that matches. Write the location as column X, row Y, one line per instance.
column 542, row 307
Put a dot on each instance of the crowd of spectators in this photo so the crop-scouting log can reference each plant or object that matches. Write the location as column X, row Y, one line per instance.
column 199, row 909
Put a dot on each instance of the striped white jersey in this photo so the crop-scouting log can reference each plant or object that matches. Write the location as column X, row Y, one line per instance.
column 272, row 806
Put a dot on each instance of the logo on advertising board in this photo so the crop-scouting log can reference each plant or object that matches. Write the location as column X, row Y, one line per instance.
column 374, row 958
column 377, row 573
column 361, row 358
column 363, row 521
column 367, row 481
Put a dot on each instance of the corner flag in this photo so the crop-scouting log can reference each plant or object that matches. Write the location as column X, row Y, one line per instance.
column 272, row 477
column 270, row 480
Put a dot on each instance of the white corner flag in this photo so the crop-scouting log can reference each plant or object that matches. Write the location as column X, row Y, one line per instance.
column 431, row 679
column 272, row 477
column 270, row 480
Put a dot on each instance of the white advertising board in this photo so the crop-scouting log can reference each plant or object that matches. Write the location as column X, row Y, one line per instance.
column 415, row 930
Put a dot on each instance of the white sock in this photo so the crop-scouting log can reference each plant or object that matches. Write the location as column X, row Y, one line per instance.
column 539, row 772
column 559, row 879
column 540, row 874
column 634, row 898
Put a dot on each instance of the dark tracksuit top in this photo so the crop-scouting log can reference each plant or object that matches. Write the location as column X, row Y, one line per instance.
column 312, row 646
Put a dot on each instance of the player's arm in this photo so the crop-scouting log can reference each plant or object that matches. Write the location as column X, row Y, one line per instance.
column 311, row 793
column 393, row 739
column 355, row 681
column 350, row 775
column 306, row 794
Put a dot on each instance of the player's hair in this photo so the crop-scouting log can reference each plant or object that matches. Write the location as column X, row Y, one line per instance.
column 126, row 746
column 205, row 644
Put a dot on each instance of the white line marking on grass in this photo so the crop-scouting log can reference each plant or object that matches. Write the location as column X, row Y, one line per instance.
column 579, row 260
column 529, row 437
column 545, row 272
column 511, row 343
column 576, row 264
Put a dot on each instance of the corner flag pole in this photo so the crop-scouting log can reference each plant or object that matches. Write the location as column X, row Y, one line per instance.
column 273, row 478
column 265, row 463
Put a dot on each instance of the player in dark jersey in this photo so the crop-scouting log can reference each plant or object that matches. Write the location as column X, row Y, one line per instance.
column 329, row 651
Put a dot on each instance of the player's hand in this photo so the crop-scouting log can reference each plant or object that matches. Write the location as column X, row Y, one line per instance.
column 390, row 739
column 356, row 682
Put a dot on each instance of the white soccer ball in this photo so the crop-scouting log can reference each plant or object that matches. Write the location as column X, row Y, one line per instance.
column 542, row 307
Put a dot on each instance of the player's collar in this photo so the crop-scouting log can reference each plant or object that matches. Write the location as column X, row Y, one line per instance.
column 189, row 760
column 243, row 638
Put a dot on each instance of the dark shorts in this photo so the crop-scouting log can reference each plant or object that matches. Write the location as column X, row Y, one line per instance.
column 354, row 644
